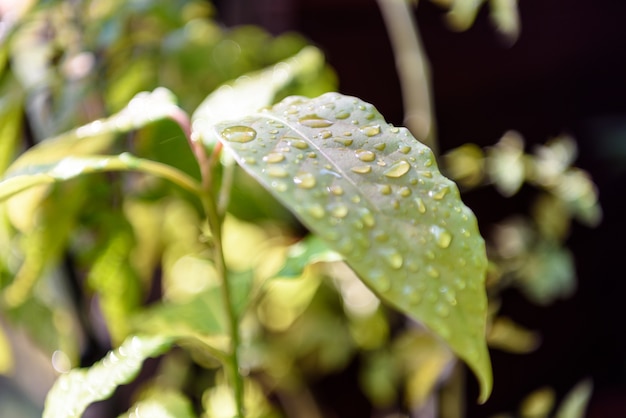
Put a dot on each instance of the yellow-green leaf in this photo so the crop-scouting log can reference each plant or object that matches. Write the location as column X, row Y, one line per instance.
column 374, row 194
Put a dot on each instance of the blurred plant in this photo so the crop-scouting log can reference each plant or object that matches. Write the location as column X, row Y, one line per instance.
column 186, row 258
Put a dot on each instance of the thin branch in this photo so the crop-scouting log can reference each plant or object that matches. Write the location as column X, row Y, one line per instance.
column 413, row 69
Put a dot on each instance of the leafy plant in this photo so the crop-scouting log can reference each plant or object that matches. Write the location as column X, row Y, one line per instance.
column 256, row 238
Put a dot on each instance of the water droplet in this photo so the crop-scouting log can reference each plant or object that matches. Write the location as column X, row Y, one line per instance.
column 412, row 266
column 439, row 193
column 279, row 185
column 274, row 131
column 381, row 236
column 346, row 142
column 361, row 169
column 380, row 146
column 442, row 310
column 427, row 174
column 393, row 259
column 465, row 232
column 367, row 218
column 325, row 134
column 395, row 203
column 342, row 115
column 277, row 172
column 299, row 143
column 365, row 155
column 314, row 121
column 339, row 210
column 394, row 130
column 316, row 210
column 304, row 180
column 250, row 160
column 371, row 130
column 428, row 163
column 442, row 236
column 415, row 297
column 432, row 272
column 274, row 157
column 312, row 155
column 405, row 149
column 238, row 134
column 336, row 190
column 404, row 191
column 355, row 199
column 384, row 189
column 397, row 169
column 421, row 207
column 430, row 255
column 459, row 283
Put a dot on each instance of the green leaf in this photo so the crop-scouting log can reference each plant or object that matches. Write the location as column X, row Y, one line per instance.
column 249, row 93
column 73, row 392
column 308, row 251
column 576, row 401
column 376, row 196
column 68, row 168
column 162, row 404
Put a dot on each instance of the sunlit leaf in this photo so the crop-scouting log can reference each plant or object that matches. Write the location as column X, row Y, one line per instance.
column 162, row 404
column 308, row 251
column 505, row 163
column 74, row 391
column 538, row 404
column 375, row 195
column 19, row 180
column 575, row 403
column 250, row 92
column 506, row 335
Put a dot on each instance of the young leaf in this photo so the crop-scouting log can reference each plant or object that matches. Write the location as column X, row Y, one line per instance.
column 67, row 168
column 309, row 250
column 73, row 392
column 375, row 195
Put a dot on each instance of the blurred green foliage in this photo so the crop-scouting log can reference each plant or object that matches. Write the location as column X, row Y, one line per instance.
column 85, row 264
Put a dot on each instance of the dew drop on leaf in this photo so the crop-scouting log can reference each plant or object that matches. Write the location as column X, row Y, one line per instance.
column 304, row 180
column 380, row 146
column 342, row 115
column 300, row 144
column 336, row 190
column 316, row 210
column 314, row 121
column 372, row 130
column 277, row 172
column 421, row 207
column 238, row 134
column 432, row 272
column 442, row 237
column 405, row 149
column 393, row 258
column 439, row 193
column 274, row 157
column 404, row 191
column 339, row 210
column 365, row 155
column 384, row 189
column 343, row 141
column 397, row 169
column 361, row 169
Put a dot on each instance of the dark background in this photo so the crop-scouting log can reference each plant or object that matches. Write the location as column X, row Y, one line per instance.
column 565, row 74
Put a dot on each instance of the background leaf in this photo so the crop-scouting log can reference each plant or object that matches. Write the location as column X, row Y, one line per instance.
column 375, row 195
column 73, row 392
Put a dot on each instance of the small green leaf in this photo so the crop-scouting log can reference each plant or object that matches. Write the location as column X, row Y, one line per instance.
column 73, row 392
column 19, row 180
column 375, row 195
column 307, row 251
column 576, row 401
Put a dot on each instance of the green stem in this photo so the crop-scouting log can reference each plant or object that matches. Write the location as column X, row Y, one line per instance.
column 413, row 70
column 215, row 224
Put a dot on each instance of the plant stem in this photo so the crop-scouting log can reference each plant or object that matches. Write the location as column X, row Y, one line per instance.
column 413, row 69
column 215, row 223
